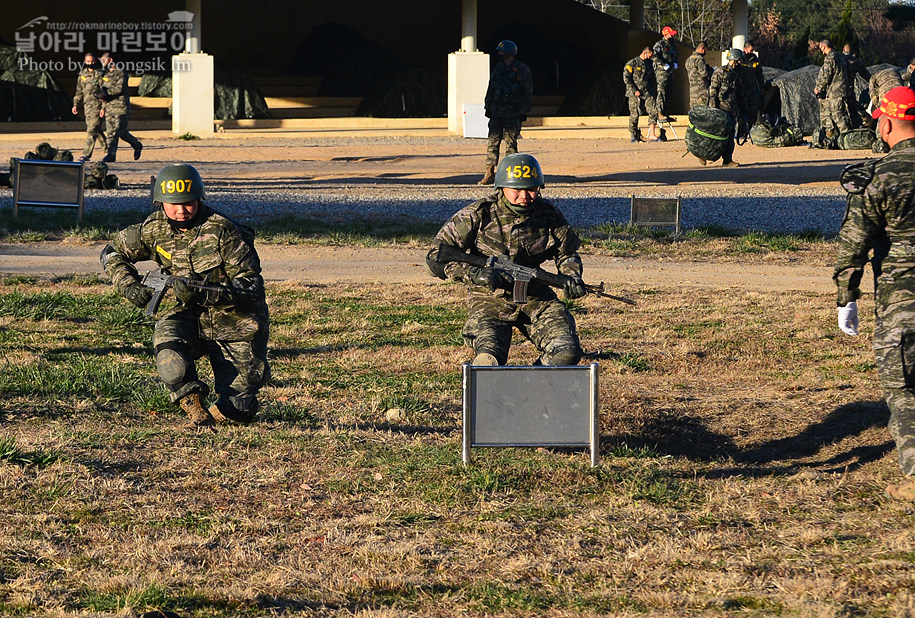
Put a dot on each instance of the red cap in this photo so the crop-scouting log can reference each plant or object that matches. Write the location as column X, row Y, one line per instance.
column 898, row 103
column 668, row 30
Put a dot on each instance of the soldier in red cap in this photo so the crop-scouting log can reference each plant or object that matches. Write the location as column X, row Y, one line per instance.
column 665, row 62
column 880, row 218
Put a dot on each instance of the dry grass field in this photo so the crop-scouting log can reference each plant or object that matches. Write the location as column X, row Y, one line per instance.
column 744, row 456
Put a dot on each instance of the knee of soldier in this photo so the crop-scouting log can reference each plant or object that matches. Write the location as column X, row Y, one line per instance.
column 567, row 354
column 172, row 366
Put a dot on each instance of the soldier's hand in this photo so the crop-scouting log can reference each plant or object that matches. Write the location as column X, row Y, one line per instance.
column 186, row 294
column 74, row 110
column 486, row 277
column 574, row 288
column 848, row 318
column 638, row 93
column 138, row 294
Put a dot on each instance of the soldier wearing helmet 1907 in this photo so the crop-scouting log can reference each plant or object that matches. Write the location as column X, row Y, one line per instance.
column 515, row 221
column 880, row 217
column 230, row 324
column 507, row 104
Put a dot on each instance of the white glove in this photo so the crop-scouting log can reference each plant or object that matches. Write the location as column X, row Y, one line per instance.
column 848, row 318
column 675, row 65
column 666, row 66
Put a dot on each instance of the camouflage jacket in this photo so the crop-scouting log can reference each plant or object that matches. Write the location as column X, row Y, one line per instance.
column 114, row 80
column 722, row 92
column 214, row 249
column 906, row 76
column 882, row 82
column 750, row 72
column 856, row 67
column 880, row 216
column 488, row 228
column 833, row 76
column 638, row 75
column 87, row 84
column 699, row 73
column 510, row 90
column 665, row 55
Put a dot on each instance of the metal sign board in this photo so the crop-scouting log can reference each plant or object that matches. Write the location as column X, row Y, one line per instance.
column 56, row 184
column 531, row 406
column 655, row 211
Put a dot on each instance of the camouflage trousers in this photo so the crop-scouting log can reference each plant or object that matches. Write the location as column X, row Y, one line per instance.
column 545, row 323
column 240, row 368
column 665, row 81
column 637, row 105
column 115, row 130
column 95, row 131
column 508, row 129
column 698, row 97
column 894, row 346
column 834, row 116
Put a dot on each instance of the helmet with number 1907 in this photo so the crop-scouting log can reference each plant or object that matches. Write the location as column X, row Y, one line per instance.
column 178, row 183
column 519, row 171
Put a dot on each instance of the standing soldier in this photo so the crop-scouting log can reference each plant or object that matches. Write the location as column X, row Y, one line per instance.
column 856, row 66
column 227, row 321
column 515, row 221
column 638, row 75
column 700, row 76
column 88, row 91
column 665, row 63
column 908, row 73
column 831, row 87
column 507, row 104
column 722, row 94
column 116, row 108
column 749, row 69
column 880, row 214
column 879, row 84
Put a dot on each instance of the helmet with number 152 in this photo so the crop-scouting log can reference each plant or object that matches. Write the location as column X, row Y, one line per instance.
column 178, row 183
column 519, row 171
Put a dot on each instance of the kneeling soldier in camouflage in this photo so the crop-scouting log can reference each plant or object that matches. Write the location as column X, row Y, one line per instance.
column 516, row 222
column 227, row 321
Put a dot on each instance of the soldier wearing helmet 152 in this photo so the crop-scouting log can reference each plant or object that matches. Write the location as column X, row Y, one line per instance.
column 507, row 104
column 722, row 94
column 515, row 221
column 228, row 321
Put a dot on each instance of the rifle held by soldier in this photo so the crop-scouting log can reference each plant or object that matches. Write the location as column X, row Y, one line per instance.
column 160, row 282
column 520, row 275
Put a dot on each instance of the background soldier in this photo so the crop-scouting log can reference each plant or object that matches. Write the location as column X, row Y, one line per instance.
column 88, row 89
column 857, row 116
column 638, row 75
column 187, row 238
column 517, row 222
column 831, row 88
column 908, row 73
column 880, row 215
column 665, row 62
column 700, row 76
column 115, row 109
column 507, row 104
column 722, row 94
column 751, row 85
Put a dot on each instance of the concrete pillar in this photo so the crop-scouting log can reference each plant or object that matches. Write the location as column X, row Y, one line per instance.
column 740, row 11
column 637, row 14
column 192, row 94
column 468, row 70
column 193, row 43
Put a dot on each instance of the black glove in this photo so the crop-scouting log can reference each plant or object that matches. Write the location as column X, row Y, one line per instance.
column 574, row 287
column 189, row 295
column 138, row 294
column 101, row 94
column 186, row 294
column 486, row 277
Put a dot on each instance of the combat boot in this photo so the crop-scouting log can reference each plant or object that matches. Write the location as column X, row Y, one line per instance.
column 903, row 491
column 485, row 359
column 195, row 410
column 730, row 164
column 488, row 177
column 234, row 415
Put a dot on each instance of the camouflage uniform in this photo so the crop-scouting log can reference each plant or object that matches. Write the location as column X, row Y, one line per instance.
column 88, row 82
column 832, row 84
column 749, row 72
column 508, row 98
column 664, row 59
column 722, row 94
column 880, row 215
column 232, row 331
column 638, row 75
column 882, row 82
column 117, row 106
column 700, row 76
column 906, row 76
column 856, row 114
column 488, row 227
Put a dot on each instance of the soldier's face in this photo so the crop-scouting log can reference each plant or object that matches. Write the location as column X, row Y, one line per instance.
column 520, row 197
column 181, row 212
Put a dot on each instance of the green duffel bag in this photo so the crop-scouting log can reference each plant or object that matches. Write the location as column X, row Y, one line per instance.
column 857, row 139
column 708, row 132
column 766, row 136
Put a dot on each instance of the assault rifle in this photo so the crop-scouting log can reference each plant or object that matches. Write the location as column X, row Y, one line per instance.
column 160, row 282
column 520, row 275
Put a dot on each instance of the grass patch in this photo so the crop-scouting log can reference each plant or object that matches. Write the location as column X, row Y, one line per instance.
column 10, row 453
